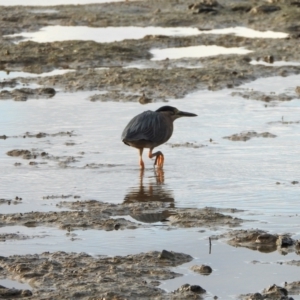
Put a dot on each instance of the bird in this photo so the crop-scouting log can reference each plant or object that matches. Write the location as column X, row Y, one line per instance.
column 151, row 129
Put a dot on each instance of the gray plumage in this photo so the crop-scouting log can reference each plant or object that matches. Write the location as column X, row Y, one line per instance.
column 148, row 126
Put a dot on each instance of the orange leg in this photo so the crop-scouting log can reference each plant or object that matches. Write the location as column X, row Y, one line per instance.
column 159, row 174
column 160, row 162
column 142, row 165
column 159, row 158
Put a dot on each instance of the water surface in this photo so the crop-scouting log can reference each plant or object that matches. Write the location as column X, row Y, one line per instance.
column 194, row 51
column 111, row 34
column 222, row 173
column 52, row 3
column 13, row 284
column 255, row 176
column 14, row 74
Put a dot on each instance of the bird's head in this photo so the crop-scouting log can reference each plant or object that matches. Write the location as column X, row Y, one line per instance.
column 174, row 113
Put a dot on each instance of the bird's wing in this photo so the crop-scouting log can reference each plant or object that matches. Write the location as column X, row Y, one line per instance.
column 150, row 126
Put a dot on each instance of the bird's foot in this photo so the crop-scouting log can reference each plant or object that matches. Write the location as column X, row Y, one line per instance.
column 159, row 160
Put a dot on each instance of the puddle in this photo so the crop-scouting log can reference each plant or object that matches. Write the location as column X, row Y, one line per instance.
column 276, row 84
column 275, row 63
column 52, row 3
column 101, row 35
column 100, row 242
column 43, row 11
column 21, row 85
column 146, row 218
column 248, row 32
column 138, row 66
column 12, row 284
column 194, row 51
column 12, row 74
column 111, row 34
column 184, row 63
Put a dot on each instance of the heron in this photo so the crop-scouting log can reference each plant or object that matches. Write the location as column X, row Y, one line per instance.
column 151, row 129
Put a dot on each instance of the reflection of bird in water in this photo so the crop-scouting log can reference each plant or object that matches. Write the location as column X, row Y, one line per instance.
column 154, row 192
column 151, row 129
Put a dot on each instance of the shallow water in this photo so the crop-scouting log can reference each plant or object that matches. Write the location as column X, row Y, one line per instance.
column 194, row 51
column 248, row 32
column 14, row 74
column 101, row 34
column 222, row 173
column 111, row 34
column 12, row 284
column 275, row 63
column 238, row 267
column 52, row 3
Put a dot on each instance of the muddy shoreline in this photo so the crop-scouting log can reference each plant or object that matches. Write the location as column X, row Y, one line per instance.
column 216, row 72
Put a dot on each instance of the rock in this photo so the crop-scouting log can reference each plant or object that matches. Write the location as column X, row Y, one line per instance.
column 47, row 91
column 205, row 6
column 241, row 8
column 6, row 293
column 166, row 255
column 191, row 288
column 17, row 153
column 203, row 269
column 254, row 239
column 144, row 99
column 293, row 287
column 265, row 9
column 275, row 291
column 269, row 59
column 20, row 98
column 255, row 296
column 284, row 241
column 266, row 238
column 117, row 226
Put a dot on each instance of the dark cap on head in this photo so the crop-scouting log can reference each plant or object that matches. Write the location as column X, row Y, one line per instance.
column 167, row 108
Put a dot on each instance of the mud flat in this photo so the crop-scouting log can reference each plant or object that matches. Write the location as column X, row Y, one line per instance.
column 216, row 72
column 96, row 215
column 66, row 275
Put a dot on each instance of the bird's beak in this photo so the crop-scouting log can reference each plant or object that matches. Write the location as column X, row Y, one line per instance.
column 186, row 114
